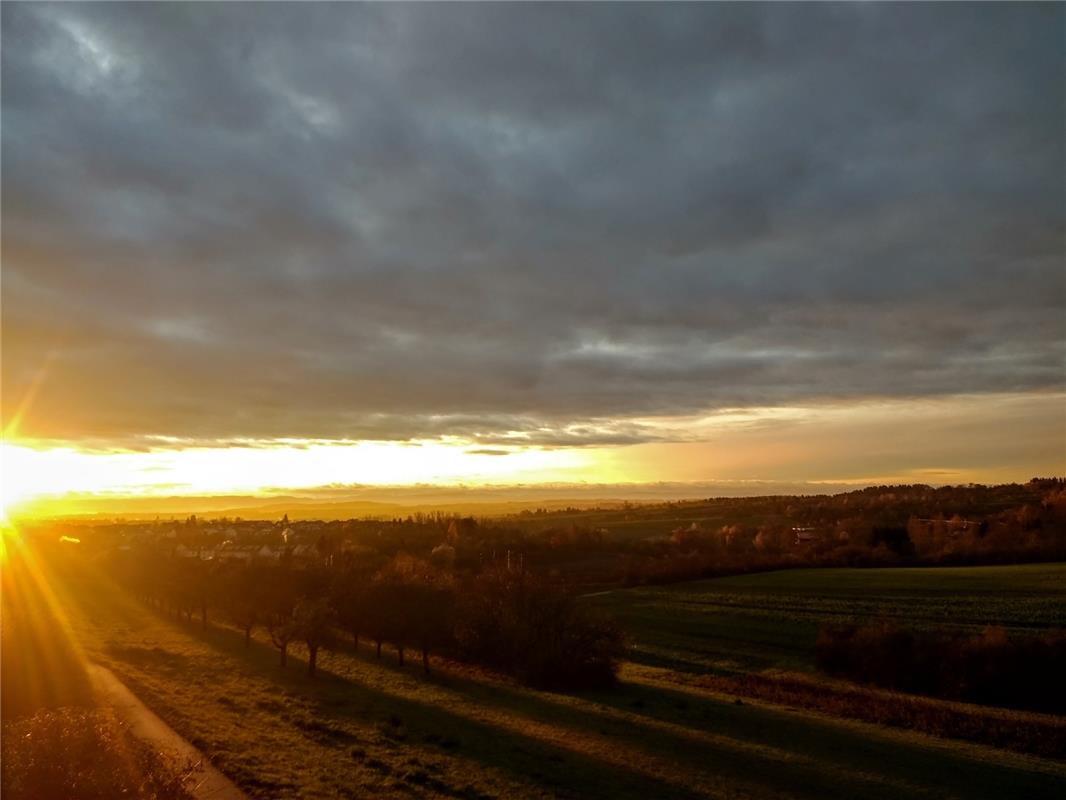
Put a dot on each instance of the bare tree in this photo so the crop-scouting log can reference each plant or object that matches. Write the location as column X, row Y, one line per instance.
column 313, row 623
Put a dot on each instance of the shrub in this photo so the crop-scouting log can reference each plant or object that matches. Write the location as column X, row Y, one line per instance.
column 990, row 668
column 88, row 754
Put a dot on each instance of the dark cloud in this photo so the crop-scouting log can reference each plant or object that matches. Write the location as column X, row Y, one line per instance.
column 487, row 451
column 519, row 224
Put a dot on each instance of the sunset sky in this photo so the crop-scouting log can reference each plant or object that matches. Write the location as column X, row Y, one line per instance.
column 251, row 247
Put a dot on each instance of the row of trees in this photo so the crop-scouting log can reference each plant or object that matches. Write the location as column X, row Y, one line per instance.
column 1027, row 534
column 991, row 667
column 670, row 541
column 508, row 620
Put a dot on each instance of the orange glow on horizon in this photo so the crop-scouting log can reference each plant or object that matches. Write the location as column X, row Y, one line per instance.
column 50, row 473
column 985, row 439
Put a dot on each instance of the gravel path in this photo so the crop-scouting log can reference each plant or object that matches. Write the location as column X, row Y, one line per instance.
column 143, row 722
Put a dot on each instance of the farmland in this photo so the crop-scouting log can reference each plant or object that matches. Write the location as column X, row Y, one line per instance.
column 771, row 620
column 370, row 728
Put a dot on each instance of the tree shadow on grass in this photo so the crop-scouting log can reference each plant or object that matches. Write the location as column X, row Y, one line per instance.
column 780, row 750
column 148, row 657
column 861, row 752
column 639, row 740
column 410, row 729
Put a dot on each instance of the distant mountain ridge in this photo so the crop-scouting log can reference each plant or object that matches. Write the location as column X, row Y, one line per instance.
column 345, row 502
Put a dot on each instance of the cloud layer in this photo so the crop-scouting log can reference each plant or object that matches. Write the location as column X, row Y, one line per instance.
column 522, row 222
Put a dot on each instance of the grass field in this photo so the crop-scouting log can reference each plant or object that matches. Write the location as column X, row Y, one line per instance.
column 371, row 729
column 771, row 620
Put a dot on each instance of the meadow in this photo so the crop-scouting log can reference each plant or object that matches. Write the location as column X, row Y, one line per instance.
column 771, row 620
column 369, row 728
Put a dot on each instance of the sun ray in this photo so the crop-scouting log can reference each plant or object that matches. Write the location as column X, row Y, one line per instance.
column 10, row 429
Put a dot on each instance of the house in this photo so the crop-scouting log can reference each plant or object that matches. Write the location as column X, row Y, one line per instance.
column 269, row 552
column 806, row 535
column 201, row 553
column 229, row 552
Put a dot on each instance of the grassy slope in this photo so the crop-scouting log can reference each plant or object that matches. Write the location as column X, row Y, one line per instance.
column 372, row 729
column 771, row 620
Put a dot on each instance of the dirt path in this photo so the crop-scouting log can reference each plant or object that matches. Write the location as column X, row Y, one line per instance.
column 143, row 722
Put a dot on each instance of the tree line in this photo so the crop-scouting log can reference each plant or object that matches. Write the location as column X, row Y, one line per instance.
column 509, row 620
column 990, row 668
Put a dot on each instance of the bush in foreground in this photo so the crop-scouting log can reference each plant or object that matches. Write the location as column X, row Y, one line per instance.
column 89, row 755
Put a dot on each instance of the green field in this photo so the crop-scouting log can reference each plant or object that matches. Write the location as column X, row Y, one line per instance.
column 366, row 728
column 372, row 729
column 771, row 620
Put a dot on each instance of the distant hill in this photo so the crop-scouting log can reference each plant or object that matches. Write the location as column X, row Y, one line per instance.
column 346, row 502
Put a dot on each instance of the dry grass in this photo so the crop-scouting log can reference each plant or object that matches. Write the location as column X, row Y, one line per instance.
column 1022, row 731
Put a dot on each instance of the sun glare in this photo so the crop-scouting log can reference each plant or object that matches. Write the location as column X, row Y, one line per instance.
column 10, row 490
column 43, row 476
column 777, row 444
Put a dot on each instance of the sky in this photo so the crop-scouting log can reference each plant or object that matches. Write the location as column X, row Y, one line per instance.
column 285, row 245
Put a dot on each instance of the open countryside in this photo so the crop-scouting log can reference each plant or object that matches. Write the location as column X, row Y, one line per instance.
column 394, row 732
column 718, row 689
column 771, row 620
column 522, row 400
